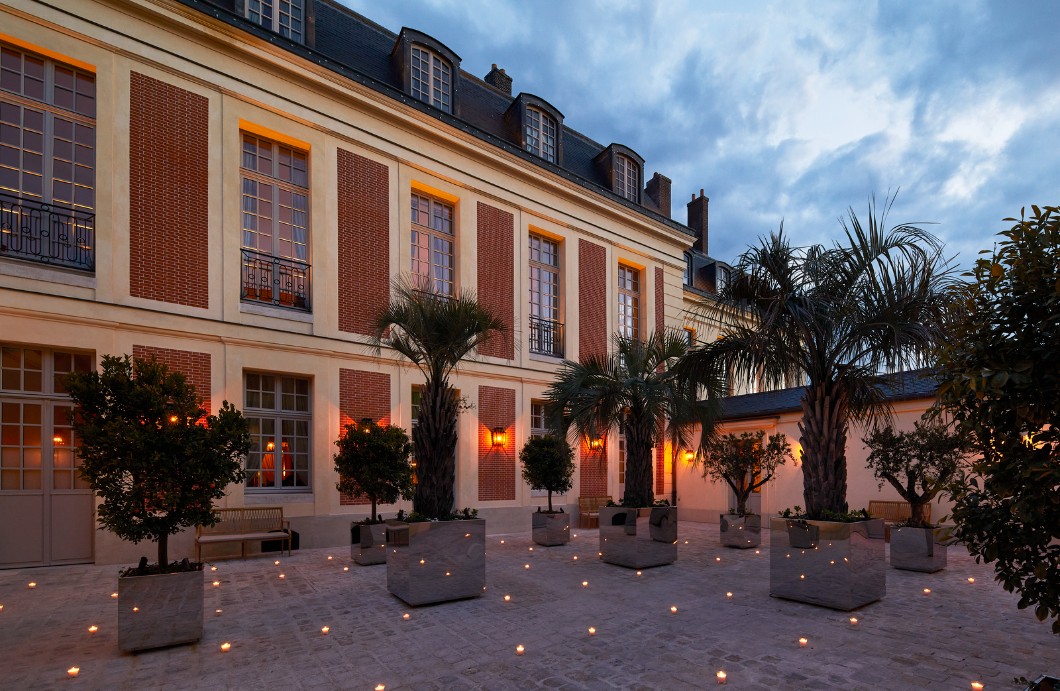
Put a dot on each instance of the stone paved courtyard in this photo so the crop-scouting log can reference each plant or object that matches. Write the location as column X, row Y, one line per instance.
column 959, row 633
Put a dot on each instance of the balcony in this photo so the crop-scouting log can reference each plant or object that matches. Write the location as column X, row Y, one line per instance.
column 546, row 337
column 48, row 234
column 275, row 281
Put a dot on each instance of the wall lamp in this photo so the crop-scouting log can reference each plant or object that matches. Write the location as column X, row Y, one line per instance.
column 499, row 436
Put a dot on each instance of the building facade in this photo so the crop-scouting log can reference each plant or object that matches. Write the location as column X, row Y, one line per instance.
column 233, row 187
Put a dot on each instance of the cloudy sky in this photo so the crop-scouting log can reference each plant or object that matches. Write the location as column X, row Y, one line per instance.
column 792, row 111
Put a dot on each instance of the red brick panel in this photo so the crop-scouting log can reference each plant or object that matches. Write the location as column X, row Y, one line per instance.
column 496, row 466
column 168, row 193
column 660, row 468
column 496, row 276
column 194, row 366
column 364, row 241
column 592, row 472
column 660, row 302
column 362, row 394
column 592, row 301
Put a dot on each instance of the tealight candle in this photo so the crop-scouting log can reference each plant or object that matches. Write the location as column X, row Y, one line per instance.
column 448, row 574
column 216, row 583
column 136, row 609
column 1, row 608
column 531, row 549
column 345, row 568
column 853, row 621
column 639, row 573
column 758, row 551
column 93, row 628
column 722, row 676
column 519, row 650
column 977, row 686
column 507, row 598
column 927, row 591
column 324, row 630
column 592, row 630
column 728, row 595
column 803, row 642
column 114, row 596
column 217, row 612
column 225, row 647
column 575, row 557
column 213, row 568
column 406, row 616
column 31, row 584
column 717, row 558
column 380, row 687
column 526, row 566
column 673, row 609
column 502, row 542
column 585, row 584
column 282, row 576
column 277, row 562
column 73, row 672
column 330, row 557
column 971, row 580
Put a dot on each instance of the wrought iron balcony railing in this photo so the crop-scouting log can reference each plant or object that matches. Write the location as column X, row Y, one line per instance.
column 275, row 281
column 546, row 337
column 47, row 234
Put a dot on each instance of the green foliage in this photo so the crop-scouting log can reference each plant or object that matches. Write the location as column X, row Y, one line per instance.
column 835, row 317
column 149, row 451
column 464, row 514
column 919, row 464
column 637, row 390
column 746, row 462
column 1002, row 385
column 853, row 516
column 548, row 464
column 373, row 461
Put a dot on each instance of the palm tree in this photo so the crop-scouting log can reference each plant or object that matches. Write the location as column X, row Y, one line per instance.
column 635, row 389
column 435, row 333
column 840, row 317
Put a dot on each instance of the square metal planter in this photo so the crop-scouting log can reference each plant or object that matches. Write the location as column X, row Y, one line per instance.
column 436, row 562
column 836, row 565
column 638, row 542
column 742, row 532
column 159, row 610
column 918, row 549
column 550, row 529
column 370, row 549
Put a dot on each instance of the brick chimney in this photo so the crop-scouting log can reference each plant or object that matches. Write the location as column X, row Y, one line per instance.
column 697, row 220
column 499, row 79
column 658, row 190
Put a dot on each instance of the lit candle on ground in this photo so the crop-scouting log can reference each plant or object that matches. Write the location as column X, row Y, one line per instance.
column 93, row 628
column 971, row 580
column 673, row 609
column 406, row 616
column 728, row 595
column 31, row 584
column 526, row 566
column 213, row 568
column 639, row 573
column 585, row 584
column 853, row 621
column 722, row 676
column 330, row 557
column 502, row 542
column 217, row 612
column 277, row 562
column 507, row 598
column 448, row 574
column 114, row 596
column 977, row 686
column 73, row 672
column 803, row 642
column 136, row 609
column 324, row 630
column 1, row 608
column 225, row 647
column 531, row 549
column 380, row 687
column 758, row 551
column 519, row 650
column 345, row 568
column 927, row 591
column 592, row 630
column 216, row 583
column 575, row 557
column 717, row 558
column 282, row 576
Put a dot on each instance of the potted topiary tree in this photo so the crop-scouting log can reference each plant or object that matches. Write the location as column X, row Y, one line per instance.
column 745, row 463
column 919, row 465
column 157, row 462
column 548, row 464
column 373, row 461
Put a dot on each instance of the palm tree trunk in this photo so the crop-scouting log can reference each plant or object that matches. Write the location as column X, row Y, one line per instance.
column 639, row 447
column 435, row 442
column 823, row 437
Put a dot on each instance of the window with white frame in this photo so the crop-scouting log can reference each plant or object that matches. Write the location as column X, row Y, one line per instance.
column 540, row 134
column 277, row 408
column 285, row 17
column 47, row 160
column 628, row 301
column 546, row 330
column 627, row 178
column 432, row 245
column 275, row 220
column 621, row 461
column 432, row 79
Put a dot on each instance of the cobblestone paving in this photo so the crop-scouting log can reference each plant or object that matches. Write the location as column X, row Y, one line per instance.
column 959, row 633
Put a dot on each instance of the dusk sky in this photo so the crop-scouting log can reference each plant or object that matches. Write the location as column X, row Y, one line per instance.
column 791, row 111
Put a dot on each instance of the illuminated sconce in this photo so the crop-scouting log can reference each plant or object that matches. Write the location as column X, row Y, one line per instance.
column 689, row 455
column 499, row 436
column 596, row 444
column 366, row 424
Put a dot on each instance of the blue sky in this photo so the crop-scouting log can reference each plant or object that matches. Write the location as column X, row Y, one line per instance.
column 792, row 111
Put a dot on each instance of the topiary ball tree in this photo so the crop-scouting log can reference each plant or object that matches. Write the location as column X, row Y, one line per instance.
column 746, row 462
column 548, row 464
column 373, row 461
column 149, row 450
column 919, row 464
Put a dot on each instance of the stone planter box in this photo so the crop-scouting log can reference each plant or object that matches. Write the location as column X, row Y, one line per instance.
column 551, row 529
column 436, row 562
column 638, row 542
column 160, row 610
column 836, row 565
column 742, row 532
column 370, row 549
column 918, row 549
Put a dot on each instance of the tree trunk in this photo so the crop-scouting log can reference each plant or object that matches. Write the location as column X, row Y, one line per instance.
column 163, row 552
column 639, row 447
column 435, row 442
column 823, row 437
column 550, row 501
column 371, row 518
column 918, row 515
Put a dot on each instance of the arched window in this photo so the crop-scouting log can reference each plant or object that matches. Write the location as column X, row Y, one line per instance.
column 540, row 134
column 432, row 79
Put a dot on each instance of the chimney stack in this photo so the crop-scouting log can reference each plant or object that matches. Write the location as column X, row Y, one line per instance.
column 658, row 190
column 499, row 79
column 697, row 220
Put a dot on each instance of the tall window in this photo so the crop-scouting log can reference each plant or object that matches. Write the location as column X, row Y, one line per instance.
column 627, row 178
column 432, row 244
column 277, row 408
column 546, row 331
column 275, row 188
column 432, row 79
column 285, row 17
column 540, row 134
column 621, row 460
column 629, row 301
column 47, row 160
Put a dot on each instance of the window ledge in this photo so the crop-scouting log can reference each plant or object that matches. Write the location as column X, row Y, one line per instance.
column 51, row 274
column 541, row 357
column 277, row 497
column 276, row 312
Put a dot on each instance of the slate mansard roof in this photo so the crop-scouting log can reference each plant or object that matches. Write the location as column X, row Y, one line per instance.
column 354, row 46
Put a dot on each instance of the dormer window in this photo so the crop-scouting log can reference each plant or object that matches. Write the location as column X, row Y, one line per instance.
column 432, row 79
column 540, row 134
column 285, row 17
column 627, row 178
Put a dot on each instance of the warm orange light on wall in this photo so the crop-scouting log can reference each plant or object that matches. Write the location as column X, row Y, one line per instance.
column 689, row 455
column 596, row 444
column 499, row 436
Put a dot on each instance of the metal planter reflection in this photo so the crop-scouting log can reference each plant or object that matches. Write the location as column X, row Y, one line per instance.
column 551, row 529
column 436, row 562
column 159, row 610
column 836, row 565
column 638, row 542
column 369, row 547
column 742, row 532
column 918, row 549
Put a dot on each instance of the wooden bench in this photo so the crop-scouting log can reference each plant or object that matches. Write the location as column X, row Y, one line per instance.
column 243, row 525
column 589, row 511
column 891, row 512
